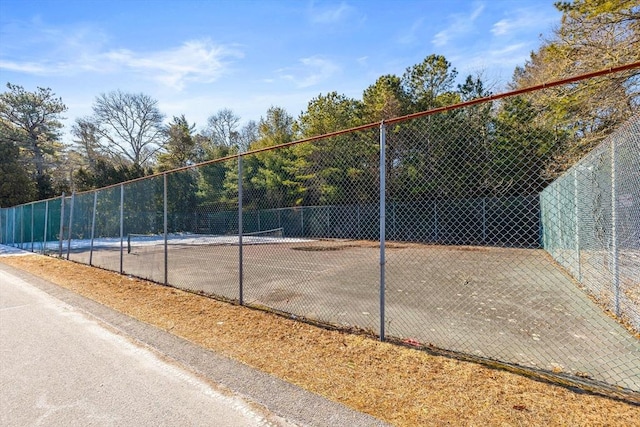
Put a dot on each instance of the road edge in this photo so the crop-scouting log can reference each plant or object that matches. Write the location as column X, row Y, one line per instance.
column 281, row 398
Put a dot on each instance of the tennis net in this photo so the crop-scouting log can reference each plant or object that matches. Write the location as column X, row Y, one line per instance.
column 138, row 242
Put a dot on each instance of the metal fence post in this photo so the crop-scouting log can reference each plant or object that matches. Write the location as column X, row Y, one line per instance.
column 165, row 226
column 577, row 223
column 46, row 225
column 614, row 231
column 93, row 226
column 382, row 227
column 73, row 197
column 13, row 238
column 32, row 207
column 22, row 227
column 121, row 227
column 61, row 236
column 240, row 227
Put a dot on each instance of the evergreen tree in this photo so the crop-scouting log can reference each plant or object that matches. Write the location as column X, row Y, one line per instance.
column 31, row 121
column 16, row 187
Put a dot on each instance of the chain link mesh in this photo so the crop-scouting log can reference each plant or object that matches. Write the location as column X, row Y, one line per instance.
column 203, row 223
column 143, row 213
column 597, row 236
column 324, row 196
column 489, row 249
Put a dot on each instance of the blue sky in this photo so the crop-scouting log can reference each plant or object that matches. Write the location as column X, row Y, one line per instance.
column 196, row 57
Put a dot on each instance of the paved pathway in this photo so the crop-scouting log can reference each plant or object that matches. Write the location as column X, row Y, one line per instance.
column 66, row 360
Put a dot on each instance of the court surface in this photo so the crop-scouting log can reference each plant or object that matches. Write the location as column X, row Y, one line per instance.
column 512, row 305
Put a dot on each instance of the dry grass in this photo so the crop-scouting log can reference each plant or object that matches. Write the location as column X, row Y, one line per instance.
column 402, row 386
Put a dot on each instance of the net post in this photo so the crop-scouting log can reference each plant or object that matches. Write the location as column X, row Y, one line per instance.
column 73, row 196
column 165, row 226
column 93, row 225
column 240, row 227
column 382, row 226
column 61, row 236
column 121, row 227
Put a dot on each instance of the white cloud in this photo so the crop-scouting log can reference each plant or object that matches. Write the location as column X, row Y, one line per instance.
column 521, row 19
column 502, row 59
column 193, row 61
column 23, row 67
column 503, row 27
column 330, row 15
column 410, row 35
column 461, row 24
column 312, row 71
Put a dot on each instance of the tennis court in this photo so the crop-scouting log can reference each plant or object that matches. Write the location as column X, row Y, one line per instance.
column 499, row 303
column 489, row 252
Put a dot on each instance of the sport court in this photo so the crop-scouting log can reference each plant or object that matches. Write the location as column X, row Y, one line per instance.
column 513, row 305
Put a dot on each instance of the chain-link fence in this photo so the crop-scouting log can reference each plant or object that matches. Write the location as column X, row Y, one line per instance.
column 486, row 251
column 591, row 223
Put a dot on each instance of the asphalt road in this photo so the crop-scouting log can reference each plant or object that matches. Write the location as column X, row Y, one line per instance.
column 66, row 360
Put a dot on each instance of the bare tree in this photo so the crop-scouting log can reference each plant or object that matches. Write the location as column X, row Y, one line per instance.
column 248, row 135
column 87, row 140
column 129, row 125
column 222, row 128
column 592, row 35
